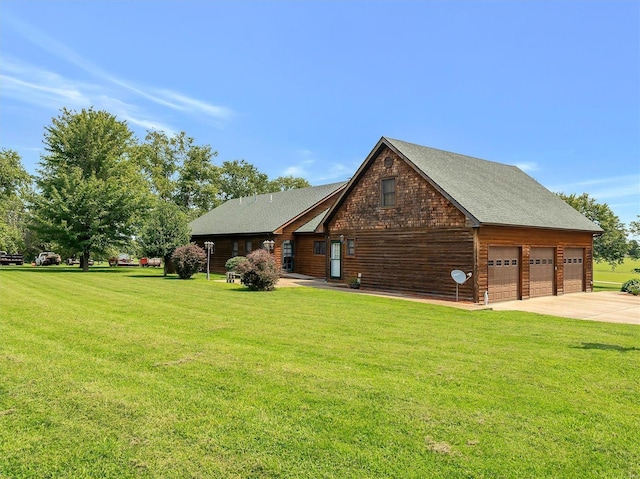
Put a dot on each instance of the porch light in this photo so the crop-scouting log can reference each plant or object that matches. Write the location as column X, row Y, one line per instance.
column 268, row 245
column 208, row 245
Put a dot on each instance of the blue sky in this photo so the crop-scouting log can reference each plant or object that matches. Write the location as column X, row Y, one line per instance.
column 308, row 87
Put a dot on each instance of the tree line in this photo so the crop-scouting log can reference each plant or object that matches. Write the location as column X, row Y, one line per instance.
column 99, row 190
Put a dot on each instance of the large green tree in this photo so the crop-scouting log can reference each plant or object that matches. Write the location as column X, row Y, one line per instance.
column 91, row 196
column 239, row 178
column 165, row 229
column 180, row 171
column 611, row 246
column 634, row 227
column 283, row 183
column 15, row 188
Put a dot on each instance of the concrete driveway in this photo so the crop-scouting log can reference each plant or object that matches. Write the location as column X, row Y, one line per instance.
column 608, row 306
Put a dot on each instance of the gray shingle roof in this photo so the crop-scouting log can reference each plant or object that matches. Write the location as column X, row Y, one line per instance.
column 311, row 225
column 492, row 193
column 262, row 213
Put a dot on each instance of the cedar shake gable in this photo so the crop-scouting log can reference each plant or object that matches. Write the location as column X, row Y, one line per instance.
column 486, row 192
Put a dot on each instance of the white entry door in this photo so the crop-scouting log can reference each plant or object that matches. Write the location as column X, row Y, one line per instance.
column 336, row 254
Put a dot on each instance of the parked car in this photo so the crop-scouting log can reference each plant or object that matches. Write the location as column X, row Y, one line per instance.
column 73, row 261
column 48, row 257
column 151, row 262
column 122, row 260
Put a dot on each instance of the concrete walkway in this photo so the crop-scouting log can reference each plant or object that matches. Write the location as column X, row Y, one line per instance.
column 607, row 306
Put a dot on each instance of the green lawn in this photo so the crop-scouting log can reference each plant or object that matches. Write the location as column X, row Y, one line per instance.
column 122, row 373
column 611, row 279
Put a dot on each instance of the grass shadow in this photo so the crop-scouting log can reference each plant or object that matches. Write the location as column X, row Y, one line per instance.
column 59, row 269
column 606, row 347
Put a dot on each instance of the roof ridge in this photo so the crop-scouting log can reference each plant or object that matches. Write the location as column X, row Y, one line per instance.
column 440, row 150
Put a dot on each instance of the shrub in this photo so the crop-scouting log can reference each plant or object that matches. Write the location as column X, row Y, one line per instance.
column 634, row 290
column 632, row 286
column 188, row 260
column 259, row 271
column 232, row 263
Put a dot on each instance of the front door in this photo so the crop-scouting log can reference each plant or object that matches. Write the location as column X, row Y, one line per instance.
column 336, row 257
column 287, row 256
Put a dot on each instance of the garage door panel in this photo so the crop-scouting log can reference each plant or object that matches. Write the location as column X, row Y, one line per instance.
column 573, row 270
column 541, row 272
column 503, row 273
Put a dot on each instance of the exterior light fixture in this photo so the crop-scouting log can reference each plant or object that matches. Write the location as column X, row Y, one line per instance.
column 208, row 245
column 268, row 245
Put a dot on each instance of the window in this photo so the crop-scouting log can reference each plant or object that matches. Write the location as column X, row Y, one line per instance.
column 319, row 247
column 351, row 247
column 234, row 249
column 389, row 192
column 248, row 247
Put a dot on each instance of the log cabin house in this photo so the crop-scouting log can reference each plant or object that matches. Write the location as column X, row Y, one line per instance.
column 288, row 218
column 411, row 214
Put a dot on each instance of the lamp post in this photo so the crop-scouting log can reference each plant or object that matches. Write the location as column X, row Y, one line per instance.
column 268, row 245
column 208, row 245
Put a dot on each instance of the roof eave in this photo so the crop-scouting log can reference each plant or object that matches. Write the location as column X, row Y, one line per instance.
column 511, row 225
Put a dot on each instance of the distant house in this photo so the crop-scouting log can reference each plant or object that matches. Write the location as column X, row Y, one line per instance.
column 288, row 218
column 411, row 214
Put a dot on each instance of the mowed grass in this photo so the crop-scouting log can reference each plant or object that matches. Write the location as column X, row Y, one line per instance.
column 606, row 278
column 122, row 373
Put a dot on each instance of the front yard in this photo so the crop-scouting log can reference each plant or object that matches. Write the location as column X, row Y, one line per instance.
column 124, row 373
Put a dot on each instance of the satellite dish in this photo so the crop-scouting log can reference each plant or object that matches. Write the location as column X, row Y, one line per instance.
column 459, row 276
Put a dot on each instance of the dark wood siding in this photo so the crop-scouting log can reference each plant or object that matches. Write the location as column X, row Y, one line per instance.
column 418, row 260
column 224, row 248
column 307, row 262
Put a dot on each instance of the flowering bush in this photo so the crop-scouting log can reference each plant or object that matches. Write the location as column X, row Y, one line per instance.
column 188, row 260
column 259, row 271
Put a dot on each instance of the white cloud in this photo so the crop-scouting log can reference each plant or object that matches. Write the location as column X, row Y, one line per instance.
column 81, row 94
column 605, row 188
